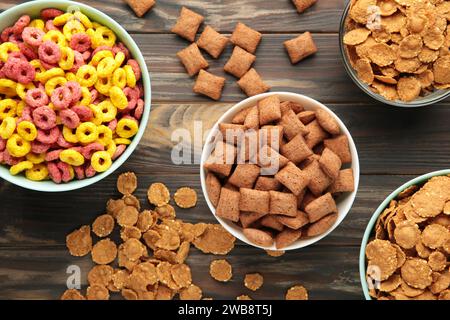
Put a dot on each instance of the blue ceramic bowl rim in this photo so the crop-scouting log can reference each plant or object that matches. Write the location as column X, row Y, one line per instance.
column 431, row 99
column 122, row 34
column 369, row 229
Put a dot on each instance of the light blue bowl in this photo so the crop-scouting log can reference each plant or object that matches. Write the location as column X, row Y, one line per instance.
column 370, row 227
column 32, row 9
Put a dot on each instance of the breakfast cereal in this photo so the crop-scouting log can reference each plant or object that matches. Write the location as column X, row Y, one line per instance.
column 246, row 37
column 212, row 42
column 240, row 62
column 192, row 59
column 297, row 292
column 252, row 84
column 158, row 194
column 185, row 197
column 188, row 24
column 79, row 242
column 104, row 251
column 300, row 47
column 302, row 5
column 103, row 225
column 253, row 281
column 140, row 7
column 209, row 85
column 220, row 270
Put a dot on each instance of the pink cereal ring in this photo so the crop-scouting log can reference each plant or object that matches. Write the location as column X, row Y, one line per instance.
column 86, row 55
column 89, row 150
column 50, row 13
column 83, row 112
column 136, row 69
column 53, row 155
column 119, row 150
column 6, row 33
column 112, row 125
column 139, row 110
column 79, row 172
column 120, row 47
column 80, row 42
column 61, row 97
column 21, row 24
column 49, row 52
column 17, row 55
column 39, row 147
column 65, row 171
column 2, row 144
column 140, row 87
column 53, row 172
column 48, row 66
column 50, row 26
column 94, row 94
column 132, row 97
column 48, row 136
column 90, row 171
column 36, row 98
column 75, row 91
column 27, row 51
column 25, row 72
column 9, row 159
column 33, row 36
column 44, row 118
column 78, row 61
column 61, row 142
column 69, row 118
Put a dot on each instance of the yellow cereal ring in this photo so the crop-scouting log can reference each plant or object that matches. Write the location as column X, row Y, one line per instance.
column 83, row 19
column 131, row 77
column 70, row 76
column 101, row 161
column 37, row 66
column 56, row 37
column 21, row 89
column 85, row 96
column 72, row 27
column 20, row 106
column 27, row 130
column 6, row 48
column 103, row 85
column 119, row 58
column 69, row 135
column 8, row 87
column 37, row 23
column 67, row 58
column 104, row 135
column 8, row 108
column 108, row 110
column 91, row 33
column 17, row 146
column 119, row 78
column 118, row 98
column 106, row 67
column 87, row 76
column 20, row 167
column 124, row 141
column 111, row 148
column 72, row 157
column 7, row 127
column 95, row 25
column 98, row 115
column 100, row 55
column 36, row 158
column 104, row 37
column 53, row 83
column 43, row 77
column 87, row 132
column 39, row 172
column 62, row 19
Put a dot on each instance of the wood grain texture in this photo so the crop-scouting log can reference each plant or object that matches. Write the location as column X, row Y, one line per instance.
column 265, row 16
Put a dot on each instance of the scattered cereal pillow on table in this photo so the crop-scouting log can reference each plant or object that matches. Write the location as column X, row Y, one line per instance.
column 252, row 84
column 188, row 24
column 246, row 37
column 212, row 42
column 140, row 7
column 302, row 5
column 300, row 47
column 192, row 59
column 240, row 62
column 209, row 85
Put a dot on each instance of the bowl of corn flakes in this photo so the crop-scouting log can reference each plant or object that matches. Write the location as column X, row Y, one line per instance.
column 396, row 51
column 406, row 243
column 75, row 95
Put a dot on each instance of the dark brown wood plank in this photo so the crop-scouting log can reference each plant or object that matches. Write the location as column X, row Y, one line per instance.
column 265, row 16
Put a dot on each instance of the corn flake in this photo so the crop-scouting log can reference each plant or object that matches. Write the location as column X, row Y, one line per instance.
column 220, row 270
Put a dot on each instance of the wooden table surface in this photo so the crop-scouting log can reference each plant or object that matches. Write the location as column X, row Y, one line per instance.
column 394, row 146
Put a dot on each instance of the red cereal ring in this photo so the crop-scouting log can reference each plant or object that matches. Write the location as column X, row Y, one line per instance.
column 36, row 98
column 136, row 69
column 89, row 150
column 21, row 24
column 61, row 142
column 94, row 94
column 15, row 38
column 79, row 172
column 33, row 36
column 48, row 66
column 121, row 47
column 75, row 91
column 53, row 172
column 26, row 114
column 50, row 13
column 25, row 72
column 2, row 144
column 48, row 136
column 9, row 159
column 86, row 55
column 80, row 42
column 50, row 26
column 119, row 150
column 132, row 97
column 44, row 118
column 49, row 52
column 61, row 97
column 141, row 90
column 65, row 171
column 89, row 171
column 17, row 55
column 112, row 125
column 39, row 147
column 84, row 113
column 78, row 61
column 27, row 51
column 139, row 110
column 6, row 33
column 69, row 118
column 53, row 155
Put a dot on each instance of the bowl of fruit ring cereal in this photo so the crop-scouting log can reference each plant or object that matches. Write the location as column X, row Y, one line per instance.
column 75, row 95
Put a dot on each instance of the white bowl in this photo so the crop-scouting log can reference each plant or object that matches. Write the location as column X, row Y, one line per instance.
column 33, row 8
column 344, row 202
